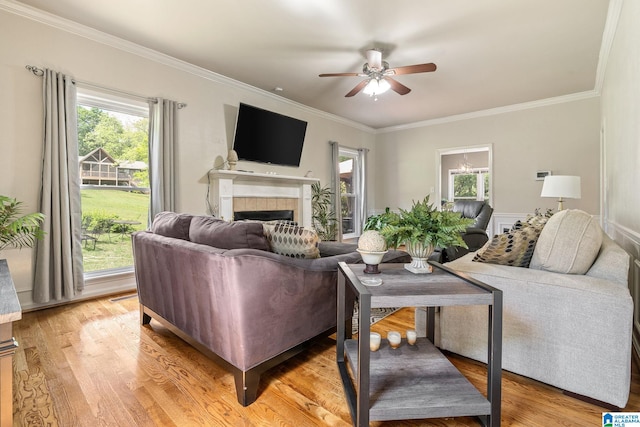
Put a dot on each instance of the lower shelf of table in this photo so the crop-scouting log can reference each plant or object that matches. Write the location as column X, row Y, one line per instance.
column 416, row 381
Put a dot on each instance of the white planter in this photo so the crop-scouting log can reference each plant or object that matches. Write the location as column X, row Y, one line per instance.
column 419, row 256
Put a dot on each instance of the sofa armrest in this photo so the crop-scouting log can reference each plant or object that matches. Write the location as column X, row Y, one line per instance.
column 327, row 263
column 336, row 248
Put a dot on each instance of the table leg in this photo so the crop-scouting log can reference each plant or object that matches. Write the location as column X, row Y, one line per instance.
column 431, row 323
column 494, row 365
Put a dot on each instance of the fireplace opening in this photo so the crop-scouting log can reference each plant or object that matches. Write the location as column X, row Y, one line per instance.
column 271, row 215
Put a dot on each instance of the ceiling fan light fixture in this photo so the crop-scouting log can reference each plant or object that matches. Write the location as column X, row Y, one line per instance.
column 376, row 87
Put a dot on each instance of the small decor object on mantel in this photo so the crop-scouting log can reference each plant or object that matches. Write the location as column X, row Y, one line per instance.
column 372, row 247
column 232, row 159
column 420, row 230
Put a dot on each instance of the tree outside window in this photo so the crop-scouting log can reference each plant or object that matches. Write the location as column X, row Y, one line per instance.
column 471, row 185
column 113, row 151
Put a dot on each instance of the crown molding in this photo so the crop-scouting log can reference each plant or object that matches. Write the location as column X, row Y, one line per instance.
column 495, row 111
column 73, row 27
column 608, row 35
column 67, row 25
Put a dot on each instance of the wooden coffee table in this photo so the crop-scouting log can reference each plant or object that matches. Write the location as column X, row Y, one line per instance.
column 415, row 381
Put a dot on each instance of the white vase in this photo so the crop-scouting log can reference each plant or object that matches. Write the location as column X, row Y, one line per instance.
column 419, row 256
column 371, row 260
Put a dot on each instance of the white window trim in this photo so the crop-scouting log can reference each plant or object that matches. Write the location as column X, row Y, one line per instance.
column 480, row 172
column 125, row 105
column 105, row 101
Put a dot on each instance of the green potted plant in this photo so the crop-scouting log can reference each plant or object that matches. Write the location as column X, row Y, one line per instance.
column 17, row 230
column 322, row 214
column 420, row 230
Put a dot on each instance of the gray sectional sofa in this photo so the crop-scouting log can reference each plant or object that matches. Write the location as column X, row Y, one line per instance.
column 562, row 326
column 218, row 286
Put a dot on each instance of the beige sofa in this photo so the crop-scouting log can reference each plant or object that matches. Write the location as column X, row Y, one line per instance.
column 570, row 330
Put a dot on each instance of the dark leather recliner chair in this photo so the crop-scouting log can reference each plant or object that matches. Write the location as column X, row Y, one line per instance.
column 475, row 236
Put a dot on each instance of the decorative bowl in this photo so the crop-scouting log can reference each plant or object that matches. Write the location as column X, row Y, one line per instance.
column 371, row 259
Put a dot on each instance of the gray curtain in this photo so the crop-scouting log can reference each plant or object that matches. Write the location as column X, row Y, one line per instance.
column 335, row 187
column 361, row 173
column 58, row 267
column 162, row 137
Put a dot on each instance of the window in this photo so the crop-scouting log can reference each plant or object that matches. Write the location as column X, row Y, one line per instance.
column 350, row 192
column 468, row 184
column 113, row 160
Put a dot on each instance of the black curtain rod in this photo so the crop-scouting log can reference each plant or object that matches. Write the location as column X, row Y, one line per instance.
column 40, row 72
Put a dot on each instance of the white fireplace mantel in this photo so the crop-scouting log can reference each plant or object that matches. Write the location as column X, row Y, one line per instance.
column 228, row 184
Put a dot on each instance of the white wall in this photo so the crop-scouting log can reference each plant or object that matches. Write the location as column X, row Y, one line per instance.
column 621, row 140
column 621, row 118
column 561, row 137
column 205, row 126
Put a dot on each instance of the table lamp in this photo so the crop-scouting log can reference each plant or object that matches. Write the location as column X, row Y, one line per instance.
column 562, row 187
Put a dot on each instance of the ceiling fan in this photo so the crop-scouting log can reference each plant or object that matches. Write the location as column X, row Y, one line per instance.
column 378, row 75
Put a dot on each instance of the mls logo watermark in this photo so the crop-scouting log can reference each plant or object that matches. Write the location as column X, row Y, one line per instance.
column 621, row 419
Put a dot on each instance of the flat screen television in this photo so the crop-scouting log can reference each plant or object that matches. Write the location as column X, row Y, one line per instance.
column 267, row 137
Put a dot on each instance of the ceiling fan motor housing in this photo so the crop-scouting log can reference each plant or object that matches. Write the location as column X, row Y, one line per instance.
column 377, row 71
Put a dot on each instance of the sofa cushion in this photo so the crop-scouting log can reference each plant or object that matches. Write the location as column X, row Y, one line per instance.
column 171, row 224
column 227, row 235
column 569, row 243
column 292, row 241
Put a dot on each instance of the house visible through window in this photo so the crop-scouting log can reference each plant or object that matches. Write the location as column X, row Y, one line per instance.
column 113, row 160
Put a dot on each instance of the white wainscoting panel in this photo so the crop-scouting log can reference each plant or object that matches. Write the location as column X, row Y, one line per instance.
column 502, row 222
column 630, row 241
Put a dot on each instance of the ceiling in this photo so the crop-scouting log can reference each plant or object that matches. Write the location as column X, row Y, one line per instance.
column 489, row 53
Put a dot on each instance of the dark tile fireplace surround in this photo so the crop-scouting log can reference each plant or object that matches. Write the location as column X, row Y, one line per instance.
column 265, row 215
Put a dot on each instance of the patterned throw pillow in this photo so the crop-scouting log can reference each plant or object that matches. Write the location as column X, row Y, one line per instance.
column 537, row 220
column 292, row 241
column 515, row 247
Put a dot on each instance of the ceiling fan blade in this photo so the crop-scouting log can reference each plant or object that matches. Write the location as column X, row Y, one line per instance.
column 339, row 75
column 397, row 86
column 357, row 89
column 374, row 59
column 412, row 69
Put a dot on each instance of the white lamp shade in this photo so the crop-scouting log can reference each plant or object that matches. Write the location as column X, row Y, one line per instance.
column 562, row 186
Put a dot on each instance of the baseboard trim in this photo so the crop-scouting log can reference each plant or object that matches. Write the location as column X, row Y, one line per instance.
column 105, row 287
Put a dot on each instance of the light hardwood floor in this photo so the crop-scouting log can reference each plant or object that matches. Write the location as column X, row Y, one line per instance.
column 92, row 364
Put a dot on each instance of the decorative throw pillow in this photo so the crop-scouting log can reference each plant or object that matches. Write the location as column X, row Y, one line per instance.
column 537, row 220
column 171, row 224
column 292, row 241
column 568, row 244
column 227, row 235
column 514, row 248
